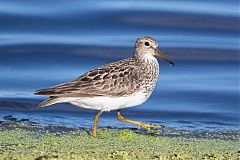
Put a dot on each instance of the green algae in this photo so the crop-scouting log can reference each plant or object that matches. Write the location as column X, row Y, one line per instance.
column 21, row 141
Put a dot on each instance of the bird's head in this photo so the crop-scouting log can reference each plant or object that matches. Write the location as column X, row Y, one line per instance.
column 147, row 45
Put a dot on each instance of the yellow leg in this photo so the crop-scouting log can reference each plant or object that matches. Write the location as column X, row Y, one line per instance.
column 96, row 118
column 140, row 124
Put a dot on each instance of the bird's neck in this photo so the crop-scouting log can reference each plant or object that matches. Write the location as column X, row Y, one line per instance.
column 149, row 69
column 144, row 57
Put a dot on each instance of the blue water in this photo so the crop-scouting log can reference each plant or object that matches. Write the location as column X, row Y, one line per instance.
column 44, row 43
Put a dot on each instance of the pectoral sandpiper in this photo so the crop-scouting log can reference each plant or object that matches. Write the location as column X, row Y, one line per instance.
column 125, row 83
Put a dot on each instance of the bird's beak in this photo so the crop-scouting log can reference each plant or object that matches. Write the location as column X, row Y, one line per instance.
column 160, row 54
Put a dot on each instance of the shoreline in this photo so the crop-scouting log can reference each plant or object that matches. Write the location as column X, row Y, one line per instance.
column 24, row 140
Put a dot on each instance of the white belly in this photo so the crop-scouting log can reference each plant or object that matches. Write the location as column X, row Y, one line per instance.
column 107, row 103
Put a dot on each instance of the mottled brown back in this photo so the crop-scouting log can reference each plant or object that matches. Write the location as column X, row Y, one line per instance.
column 115, row 79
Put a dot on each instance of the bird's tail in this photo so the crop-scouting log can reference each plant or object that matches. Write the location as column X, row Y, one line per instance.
column 48, row 102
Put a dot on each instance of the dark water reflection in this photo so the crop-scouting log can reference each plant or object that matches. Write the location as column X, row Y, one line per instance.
column 43, row 43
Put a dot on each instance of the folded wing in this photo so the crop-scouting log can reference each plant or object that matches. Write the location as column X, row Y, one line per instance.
column 116, row 79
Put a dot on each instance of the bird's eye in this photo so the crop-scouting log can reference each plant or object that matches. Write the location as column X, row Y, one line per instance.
column 147, row 44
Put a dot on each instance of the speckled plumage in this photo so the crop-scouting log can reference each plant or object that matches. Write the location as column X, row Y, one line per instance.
column 124, row 78
column 120, row 78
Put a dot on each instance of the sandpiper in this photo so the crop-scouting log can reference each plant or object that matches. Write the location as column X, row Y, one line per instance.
column 125, row 83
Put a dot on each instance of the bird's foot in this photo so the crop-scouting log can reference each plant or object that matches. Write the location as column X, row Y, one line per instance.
column 150, row 126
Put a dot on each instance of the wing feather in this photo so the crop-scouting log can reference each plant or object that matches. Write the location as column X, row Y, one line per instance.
column 115, row 79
